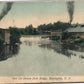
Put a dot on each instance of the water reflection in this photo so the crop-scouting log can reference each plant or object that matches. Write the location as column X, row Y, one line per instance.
column 28, row 43
column 7, row 51
column 65, row 49
column 68, row 50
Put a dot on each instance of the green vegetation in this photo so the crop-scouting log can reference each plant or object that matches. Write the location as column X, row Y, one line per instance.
column 1, row 42
column 65, row 35
column 52, row 27
column 29, row 30
column 82, row 43
column 79, row 41
column 16, row 33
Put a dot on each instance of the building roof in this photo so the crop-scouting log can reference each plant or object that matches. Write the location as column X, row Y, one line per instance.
column 75, row 29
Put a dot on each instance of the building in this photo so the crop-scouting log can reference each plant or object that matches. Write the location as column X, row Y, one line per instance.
column 5, row 35
column 56, row 34
column 76, row 31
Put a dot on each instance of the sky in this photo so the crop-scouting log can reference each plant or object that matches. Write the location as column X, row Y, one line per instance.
column 23, row 14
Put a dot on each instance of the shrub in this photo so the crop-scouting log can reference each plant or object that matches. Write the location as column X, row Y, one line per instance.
column 1, row 41
column 65, row 35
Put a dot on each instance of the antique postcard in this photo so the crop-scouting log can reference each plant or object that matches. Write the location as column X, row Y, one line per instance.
column 41, row 41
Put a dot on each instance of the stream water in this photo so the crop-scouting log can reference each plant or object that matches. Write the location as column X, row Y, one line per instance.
column 38, row 56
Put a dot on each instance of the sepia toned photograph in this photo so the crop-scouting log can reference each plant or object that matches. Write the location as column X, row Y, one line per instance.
column 42, row 39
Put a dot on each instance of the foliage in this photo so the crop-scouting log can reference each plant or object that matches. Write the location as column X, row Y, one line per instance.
column 52, row 27
column 28, row 30
column 65, row 35
column 15, row 35
column 79, row 40
column 1, row 42
column 17, row 32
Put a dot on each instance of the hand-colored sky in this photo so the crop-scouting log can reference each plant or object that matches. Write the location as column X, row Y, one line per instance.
column 36, row 13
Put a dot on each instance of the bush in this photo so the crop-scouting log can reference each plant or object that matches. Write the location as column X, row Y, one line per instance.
column 1, row 41
column 15, row 35
column 65, row 35
column 79, row 41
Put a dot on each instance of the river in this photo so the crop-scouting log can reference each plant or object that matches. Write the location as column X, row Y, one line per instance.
column 38, row 56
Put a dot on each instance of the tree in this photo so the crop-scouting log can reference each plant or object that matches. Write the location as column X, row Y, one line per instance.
column 1, row 42
column 15, row 35
column 29, row 30
column 52, row 27
column 66, row 35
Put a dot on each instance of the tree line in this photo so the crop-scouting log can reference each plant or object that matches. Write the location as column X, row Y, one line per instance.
column 16, row 33
column 52, row 27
